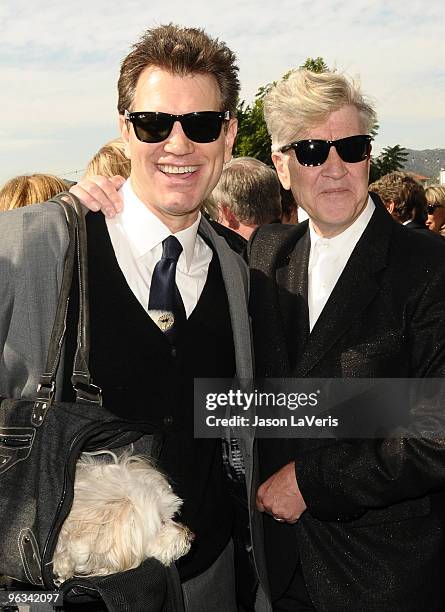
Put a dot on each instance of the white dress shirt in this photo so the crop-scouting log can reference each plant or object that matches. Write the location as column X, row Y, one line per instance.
column 327, row 259
column 137, row 234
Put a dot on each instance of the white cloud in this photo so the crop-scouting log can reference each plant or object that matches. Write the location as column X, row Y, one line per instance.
column 59, row 64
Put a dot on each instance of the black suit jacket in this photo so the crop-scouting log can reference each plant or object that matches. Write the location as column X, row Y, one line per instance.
column 373, row 536
column 418, row 227
column 414, row 225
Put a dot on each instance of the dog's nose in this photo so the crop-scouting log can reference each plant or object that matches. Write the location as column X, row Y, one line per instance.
column 190, row 534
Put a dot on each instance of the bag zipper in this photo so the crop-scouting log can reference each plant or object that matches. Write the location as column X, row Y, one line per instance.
column 15, row 441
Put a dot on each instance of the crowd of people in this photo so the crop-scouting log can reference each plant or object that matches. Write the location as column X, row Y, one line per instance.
column 326, row 524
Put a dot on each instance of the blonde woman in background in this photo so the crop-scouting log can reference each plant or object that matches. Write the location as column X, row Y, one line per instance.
column 110, row 160
column 30, row 189
column 435, row 197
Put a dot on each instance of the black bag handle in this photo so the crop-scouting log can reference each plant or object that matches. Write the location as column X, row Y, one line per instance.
column 81, row 379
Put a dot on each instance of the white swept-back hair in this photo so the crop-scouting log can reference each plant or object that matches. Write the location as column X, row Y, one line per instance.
column 305, row 99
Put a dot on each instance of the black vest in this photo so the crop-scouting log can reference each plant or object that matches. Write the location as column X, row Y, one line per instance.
column 142, row 376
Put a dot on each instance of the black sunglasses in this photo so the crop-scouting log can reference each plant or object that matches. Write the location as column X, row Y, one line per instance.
column 315, row 152
column 203, row 126
column 432, row 207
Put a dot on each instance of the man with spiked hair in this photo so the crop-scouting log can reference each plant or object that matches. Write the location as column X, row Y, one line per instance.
column 168, row 298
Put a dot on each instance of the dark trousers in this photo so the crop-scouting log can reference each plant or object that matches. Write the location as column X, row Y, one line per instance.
column 296, row 598
column 214, row 589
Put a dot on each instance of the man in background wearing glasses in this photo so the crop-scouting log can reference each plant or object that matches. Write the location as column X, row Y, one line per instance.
column 168, row 298
column 404, row 198
column 352, row 524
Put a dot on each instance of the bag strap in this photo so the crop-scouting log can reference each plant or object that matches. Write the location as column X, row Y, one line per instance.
column 81, row 379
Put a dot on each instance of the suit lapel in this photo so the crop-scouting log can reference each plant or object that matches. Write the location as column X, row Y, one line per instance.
column 236, row 285
column 292, row 279
column 235, row 277
column 355, row 289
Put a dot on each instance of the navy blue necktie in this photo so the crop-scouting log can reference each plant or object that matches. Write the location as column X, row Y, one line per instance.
column 165, row 298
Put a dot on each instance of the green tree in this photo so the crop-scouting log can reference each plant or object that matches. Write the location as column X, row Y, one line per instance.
column 253, row 139
column 315, row 64
column 391, row 159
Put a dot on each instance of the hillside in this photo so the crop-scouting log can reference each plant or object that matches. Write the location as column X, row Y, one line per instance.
column 427, row 163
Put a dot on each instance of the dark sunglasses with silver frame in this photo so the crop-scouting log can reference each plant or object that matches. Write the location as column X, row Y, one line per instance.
column 201, row 126
column 432, row 207
column 314, row 152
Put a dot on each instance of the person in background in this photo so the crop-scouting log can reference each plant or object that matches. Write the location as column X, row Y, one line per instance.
column 30, row 189
column 247, row 195
column 435, row 199
column 290, row 213
column 404, row 198
column 110, row 160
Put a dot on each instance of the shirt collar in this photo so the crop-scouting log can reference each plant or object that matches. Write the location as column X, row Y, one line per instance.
column 350, row 235
column 145, row 230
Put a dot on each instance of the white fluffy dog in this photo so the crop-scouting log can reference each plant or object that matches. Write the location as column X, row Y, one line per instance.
column 122, row 513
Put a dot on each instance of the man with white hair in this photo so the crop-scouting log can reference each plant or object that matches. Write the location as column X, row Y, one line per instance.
column 349, row 524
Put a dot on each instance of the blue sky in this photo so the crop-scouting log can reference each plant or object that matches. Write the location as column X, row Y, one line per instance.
column 59, row 65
